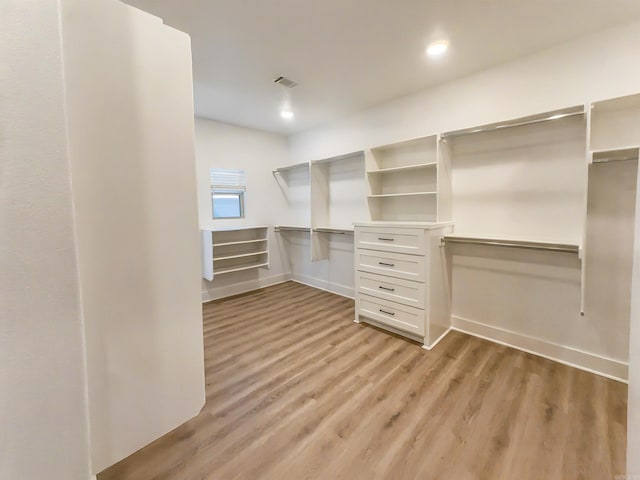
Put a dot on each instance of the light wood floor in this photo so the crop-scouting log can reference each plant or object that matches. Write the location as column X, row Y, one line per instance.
column 295, row 390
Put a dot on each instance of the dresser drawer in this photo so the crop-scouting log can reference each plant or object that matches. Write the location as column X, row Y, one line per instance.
column 393, row 289
column 395, row 315
column 409, row 267
column 399, row 240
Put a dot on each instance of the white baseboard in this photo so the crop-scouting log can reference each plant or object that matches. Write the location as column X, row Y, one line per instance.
column 437, row 341
column 606, row 367
column 216, row 293
column 336, row 288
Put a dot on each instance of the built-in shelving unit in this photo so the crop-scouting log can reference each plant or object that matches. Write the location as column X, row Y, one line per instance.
column 234, row 249
column 402, row 180
column 328, row 195
column 338, row 197
column 523, row 178
column 295, row 183
column 614, row 134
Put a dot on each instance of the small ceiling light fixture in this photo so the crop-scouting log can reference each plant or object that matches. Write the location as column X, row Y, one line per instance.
column 437, row 48
column 286, row 114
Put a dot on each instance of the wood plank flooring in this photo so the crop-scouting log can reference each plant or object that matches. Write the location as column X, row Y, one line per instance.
column 296, row 390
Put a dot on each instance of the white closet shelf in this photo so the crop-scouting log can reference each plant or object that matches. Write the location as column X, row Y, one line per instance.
column 403, row 168
column 615, row 154
column 240, row 242
column 519, row 122
column 222, row 271
column 337, row 230
column 232, row 229
column 240, row 255
column 339, row 158
column 288, row 168
column 512, row 243
column 291, row 228
column 410, row 194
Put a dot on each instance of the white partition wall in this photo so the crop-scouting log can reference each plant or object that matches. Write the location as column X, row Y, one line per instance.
column 633, row 413
column 130, row 128
column 43, row 407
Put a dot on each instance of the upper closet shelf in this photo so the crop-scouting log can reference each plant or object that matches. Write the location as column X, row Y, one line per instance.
column 339, row 158
column 233, row 229
column 616, row 154
column 513, row 243
column 288, row 168
column 519, row 122
column 240, row 242
column 409, row 194
column 403, row 168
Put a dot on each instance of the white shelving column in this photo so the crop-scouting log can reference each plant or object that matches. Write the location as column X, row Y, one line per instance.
column 402, row 180
column 614, row 143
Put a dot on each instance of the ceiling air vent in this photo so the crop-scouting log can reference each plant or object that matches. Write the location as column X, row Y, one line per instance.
column 285, row 82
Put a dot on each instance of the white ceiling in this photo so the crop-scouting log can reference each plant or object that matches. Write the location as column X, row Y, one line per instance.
column 350, row 54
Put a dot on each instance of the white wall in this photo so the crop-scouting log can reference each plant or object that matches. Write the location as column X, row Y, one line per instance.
column 599, row 66
column 43, row 404
column 130, row 114
column 633, row 405
column 258, row 154
column 570, row 74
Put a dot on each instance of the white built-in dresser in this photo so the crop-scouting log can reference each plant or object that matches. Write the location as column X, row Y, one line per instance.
column 401, row 278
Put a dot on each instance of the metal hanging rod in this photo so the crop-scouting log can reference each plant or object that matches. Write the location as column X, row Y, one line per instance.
column 338, row 231
column 554, row 247
column 518, row 122
column 291, row 229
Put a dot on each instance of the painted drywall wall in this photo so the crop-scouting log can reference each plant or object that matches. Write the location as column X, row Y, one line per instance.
column 43, row 404
column 569, row 74
column 258, row 153
column 130, row 114
column 633, row 404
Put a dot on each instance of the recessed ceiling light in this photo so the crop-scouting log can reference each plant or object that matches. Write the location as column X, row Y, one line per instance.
column 437, row 48
column 286, row 114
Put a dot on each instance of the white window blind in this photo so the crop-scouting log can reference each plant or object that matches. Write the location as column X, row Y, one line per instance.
column 224, row 179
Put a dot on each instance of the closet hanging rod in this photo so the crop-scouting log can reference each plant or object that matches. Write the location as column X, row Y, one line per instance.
column 515, row 123
column 291, row 229
column 554, row 247
column 340, row 231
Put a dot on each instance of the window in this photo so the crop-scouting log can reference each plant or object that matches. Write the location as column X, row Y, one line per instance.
column 227, row 193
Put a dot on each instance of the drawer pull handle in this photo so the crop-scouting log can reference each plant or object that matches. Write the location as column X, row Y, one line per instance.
column 384, row 239
column 387, row 289
column 387, row 264
column 388, row 313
